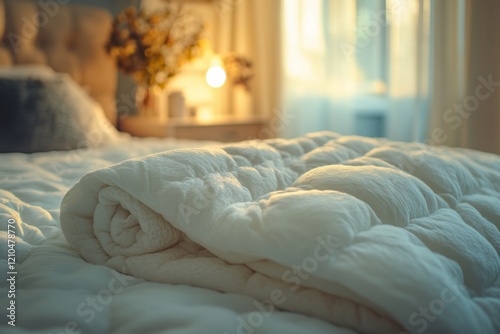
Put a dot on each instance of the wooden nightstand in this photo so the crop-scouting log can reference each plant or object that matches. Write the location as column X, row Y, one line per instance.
column 226, row 129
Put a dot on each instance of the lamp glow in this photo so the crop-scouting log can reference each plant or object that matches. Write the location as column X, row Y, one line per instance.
column 216, row 76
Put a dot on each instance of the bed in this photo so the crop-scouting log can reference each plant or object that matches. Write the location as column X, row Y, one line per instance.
column 105, row 233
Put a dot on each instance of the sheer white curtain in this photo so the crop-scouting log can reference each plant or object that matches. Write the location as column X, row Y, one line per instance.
column 357, row 66
column 251, row 28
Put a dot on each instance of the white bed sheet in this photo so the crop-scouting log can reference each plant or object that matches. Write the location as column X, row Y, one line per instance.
column 58, row 292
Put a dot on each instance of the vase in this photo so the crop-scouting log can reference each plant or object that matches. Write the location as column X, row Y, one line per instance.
column 146, row 98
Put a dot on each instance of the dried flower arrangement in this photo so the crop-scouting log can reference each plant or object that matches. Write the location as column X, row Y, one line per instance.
column 153, row 47
column 239, row 69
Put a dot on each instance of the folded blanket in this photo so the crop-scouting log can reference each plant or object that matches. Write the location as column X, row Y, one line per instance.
column 377, row 236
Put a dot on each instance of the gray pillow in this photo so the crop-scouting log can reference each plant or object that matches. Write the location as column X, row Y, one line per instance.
column 48, row 113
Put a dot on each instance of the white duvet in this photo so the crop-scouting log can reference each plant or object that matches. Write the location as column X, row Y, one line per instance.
column 371, row 235
column 58, row 292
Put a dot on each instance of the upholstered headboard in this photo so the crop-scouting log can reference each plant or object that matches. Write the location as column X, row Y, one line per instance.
column 68, row 38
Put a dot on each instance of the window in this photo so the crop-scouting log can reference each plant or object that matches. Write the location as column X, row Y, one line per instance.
column 349, row 59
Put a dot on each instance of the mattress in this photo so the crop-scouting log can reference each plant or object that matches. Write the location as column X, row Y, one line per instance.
column 56, row 291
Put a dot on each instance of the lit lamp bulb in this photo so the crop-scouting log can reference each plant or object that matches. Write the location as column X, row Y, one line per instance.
column 216, row 76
